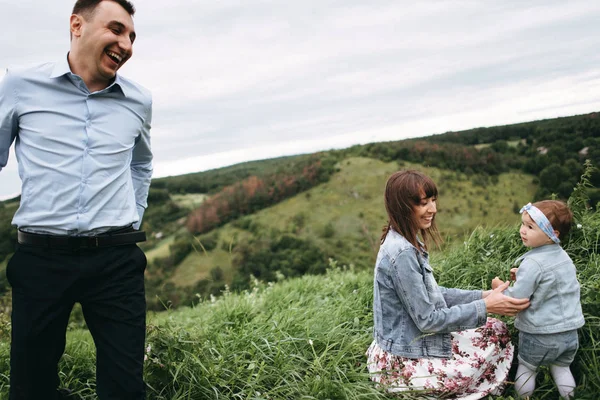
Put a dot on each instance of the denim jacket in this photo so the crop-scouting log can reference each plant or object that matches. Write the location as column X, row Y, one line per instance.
column 547, row 276
column 413, row 316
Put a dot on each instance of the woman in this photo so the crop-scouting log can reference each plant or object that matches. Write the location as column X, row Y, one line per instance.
column 424, row 336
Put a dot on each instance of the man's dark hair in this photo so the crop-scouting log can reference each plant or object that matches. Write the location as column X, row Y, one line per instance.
column 87, row 7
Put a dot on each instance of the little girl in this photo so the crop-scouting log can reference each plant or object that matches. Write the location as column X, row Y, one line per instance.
column 546, row 275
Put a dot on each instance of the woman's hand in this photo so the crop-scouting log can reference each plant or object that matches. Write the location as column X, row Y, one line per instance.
column 498, row 303
column 513, row 274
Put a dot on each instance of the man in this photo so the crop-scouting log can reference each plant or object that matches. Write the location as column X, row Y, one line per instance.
column 82, row 140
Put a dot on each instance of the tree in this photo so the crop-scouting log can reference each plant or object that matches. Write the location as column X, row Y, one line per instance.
column 553, row 176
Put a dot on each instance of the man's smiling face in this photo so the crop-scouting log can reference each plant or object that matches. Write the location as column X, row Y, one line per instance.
column 103, row 42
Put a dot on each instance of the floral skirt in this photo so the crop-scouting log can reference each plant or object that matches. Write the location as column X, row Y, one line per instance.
column 479, row 365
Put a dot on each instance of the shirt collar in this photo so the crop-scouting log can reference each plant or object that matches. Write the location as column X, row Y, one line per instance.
column 62, row 68
column 547, row 248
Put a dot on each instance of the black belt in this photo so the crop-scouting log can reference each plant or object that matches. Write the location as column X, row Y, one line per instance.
column 81, row 242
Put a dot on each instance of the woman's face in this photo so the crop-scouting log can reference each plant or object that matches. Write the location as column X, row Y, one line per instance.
column 425, row 211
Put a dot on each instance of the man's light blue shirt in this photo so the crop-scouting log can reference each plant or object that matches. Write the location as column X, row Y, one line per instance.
column 84, row 158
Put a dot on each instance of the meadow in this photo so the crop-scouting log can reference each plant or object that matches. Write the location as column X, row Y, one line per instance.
column 305, row 338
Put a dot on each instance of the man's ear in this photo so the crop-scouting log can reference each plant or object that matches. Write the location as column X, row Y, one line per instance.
column 76, row 22
column 557, row 233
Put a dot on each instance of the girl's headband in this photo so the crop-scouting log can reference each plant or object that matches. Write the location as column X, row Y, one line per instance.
column 540, row 219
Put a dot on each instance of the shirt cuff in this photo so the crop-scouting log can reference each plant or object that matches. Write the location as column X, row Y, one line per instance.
column 140, row 212
column 481, row 312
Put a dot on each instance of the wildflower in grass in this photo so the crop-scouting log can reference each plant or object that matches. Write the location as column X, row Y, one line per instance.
column 148, row 350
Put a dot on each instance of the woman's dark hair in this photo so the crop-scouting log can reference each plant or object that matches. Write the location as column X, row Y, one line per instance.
column 403, row 191
column 87, row 7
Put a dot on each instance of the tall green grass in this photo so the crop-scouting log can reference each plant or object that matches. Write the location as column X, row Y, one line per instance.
column 305, row 338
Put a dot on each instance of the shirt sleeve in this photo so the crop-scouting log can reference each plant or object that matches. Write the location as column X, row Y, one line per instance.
column 9, row 122
column 460, row 296
column 413, row 293
column 529, row 275
column 141, row 167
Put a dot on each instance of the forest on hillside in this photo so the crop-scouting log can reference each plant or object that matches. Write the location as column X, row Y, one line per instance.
column 552, row 150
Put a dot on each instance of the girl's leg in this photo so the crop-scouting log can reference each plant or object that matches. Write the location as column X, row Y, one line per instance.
column 525, row 381
column 563, row 378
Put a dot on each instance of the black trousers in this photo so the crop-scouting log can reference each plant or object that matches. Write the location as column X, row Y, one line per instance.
column 109, row 285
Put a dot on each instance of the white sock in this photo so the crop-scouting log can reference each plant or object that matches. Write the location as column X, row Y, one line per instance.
column 563, row 378
column 525, row 381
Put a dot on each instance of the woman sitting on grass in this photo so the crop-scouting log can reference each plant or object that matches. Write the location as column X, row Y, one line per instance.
column 424, row 336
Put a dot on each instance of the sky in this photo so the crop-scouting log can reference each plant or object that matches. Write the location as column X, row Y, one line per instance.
column 241, row 80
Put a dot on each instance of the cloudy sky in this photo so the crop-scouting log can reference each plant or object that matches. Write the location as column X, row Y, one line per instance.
column 235, row 80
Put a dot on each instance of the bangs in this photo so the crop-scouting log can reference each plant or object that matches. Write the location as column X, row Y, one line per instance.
column 424, row 188
column 429, row 188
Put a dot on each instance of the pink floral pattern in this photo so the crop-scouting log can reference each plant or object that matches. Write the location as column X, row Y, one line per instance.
column 479, row 365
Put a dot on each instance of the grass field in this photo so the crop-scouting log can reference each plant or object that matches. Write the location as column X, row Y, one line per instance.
column 161, row 249
column 189, row 200
column 305, row 338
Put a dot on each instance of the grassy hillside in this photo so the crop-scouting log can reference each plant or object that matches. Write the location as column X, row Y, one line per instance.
column 305, row 338
column 344, row 216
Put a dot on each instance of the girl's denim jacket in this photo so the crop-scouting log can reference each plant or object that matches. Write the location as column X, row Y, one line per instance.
column 413, row 316
column 547, row 276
